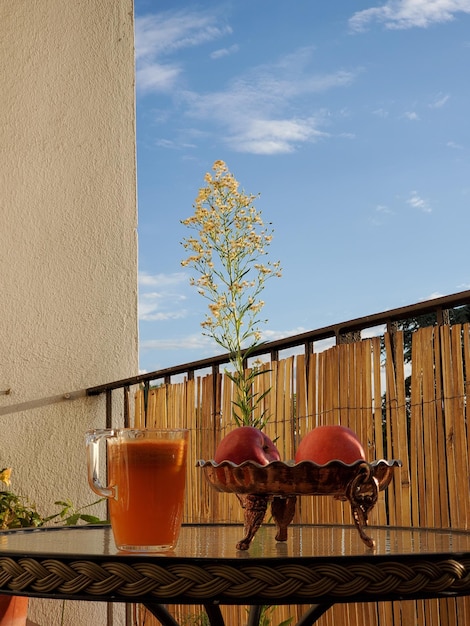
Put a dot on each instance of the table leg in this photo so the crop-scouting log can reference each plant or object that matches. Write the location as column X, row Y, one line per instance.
column 307, row 619
column 214, row 614
column 254, row 615
column 161, row 613
column 166, row 619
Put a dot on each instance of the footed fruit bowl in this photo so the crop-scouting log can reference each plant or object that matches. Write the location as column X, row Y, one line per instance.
column 279, row 483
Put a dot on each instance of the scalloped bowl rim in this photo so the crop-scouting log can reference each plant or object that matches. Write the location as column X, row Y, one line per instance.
column 291, row 463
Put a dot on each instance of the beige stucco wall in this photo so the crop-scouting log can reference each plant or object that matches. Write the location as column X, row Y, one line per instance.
column 68, row 244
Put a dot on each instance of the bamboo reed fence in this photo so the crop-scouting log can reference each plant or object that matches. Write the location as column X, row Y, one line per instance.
column 360, row 385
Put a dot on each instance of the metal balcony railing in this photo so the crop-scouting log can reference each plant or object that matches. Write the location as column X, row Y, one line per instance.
column 307, row 342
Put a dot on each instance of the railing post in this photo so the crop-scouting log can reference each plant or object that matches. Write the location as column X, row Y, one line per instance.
column 109, row 408
column 127, row 411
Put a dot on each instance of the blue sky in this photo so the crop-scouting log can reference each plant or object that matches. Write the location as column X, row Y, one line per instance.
column 350, row 119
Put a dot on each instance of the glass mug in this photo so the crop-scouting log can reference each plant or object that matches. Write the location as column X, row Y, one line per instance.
column 145, row 484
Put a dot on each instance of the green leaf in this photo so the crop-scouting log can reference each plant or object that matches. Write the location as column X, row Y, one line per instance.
column 90, row 519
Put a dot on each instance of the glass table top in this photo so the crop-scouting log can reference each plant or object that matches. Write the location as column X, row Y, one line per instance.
column 218, row 542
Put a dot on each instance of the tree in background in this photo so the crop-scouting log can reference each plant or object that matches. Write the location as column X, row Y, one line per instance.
column 458, row 315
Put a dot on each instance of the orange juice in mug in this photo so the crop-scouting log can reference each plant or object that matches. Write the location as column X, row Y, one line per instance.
column 146, row 484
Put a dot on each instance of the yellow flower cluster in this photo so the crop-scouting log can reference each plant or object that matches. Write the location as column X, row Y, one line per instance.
column 5, row 476
column 226, row 253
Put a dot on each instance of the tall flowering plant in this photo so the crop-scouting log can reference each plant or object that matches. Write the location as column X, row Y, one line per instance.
column 227, row 253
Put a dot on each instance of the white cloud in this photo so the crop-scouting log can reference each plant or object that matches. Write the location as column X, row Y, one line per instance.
column 162, row 34
column 454, row 145
column 224, row 52
column 381, row 113
column 402, row 14
column 381, row 208
column 259, row 112
column 417, row 202
column 380, row 214
column 160, row 280
column 266, row 111
column 411, row 115
column 273, row 335
column 189, row 342
column 260, row 136
column 148, row 313
column 433, row 296
column 161, row 306
column 157, row 77
column 439, row 101
column 161, row 297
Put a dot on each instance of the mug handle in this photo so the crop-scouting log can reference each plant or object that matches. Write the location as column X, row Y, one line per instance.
column 93, row 439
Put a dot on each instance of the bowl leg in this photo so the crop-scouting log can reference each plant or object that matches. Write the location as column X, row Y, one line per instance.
column 255, row 510
column 283, row 510
column 362, row 493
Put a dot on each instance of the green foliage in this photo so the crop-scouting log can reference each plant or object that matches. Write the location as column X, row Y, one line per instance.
column 458, row 315
column 17, row 512
column 70, row 516
column 266, row 616
column 246, row 399
column 199, row 619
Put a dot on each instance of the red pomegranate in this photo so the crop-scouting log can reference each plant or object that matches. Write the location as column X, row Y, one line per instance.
column 246, row 443
column 328, row 443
